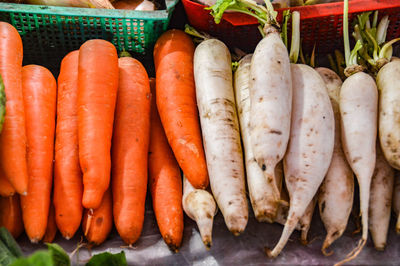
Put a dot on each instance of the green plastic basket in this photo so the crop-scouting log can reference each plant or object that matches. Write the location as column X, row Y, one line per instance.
column 49, row 33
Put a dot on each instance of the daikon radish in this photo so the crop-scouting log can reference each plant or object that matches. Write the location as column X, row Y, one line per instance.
column 335, row 198
column 220, row 128
column 283, row 208
column 305, row 220
column 200, row 206
column 396, row 200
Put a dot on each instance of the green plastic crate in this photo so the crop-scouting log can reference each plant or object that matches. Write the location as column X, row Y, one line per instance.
column 49, row 33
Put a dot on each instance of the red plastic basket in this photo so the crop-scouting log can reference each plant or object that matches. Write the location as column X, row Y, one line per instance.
column 320, row 24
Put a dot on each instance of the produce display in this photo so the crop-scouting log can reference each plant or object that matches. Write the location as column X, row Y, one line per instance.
column 216, row 128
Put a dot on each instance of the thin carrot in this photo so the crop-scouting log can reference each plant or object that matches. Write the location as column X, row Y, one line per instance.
column 67, row 172
column 130, row 148
column 51, row 229
column 10, row 215
column 176, row 103
column 40, row 89
column 97, row 94
column 97, row 223
column 6, row 189
column 165, row 183
column 13, row 137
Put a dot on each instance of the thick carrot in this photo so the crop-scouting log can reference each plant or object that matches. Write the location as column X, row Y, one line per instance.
column 97, row 223
column 67, row 172
column 130, row 145
column 97, row 94
column 165, row 183
column 13, row 137
column 40, row 89
column 176, row 103
column 51, row 229
column 6, row 189
column 10, row 215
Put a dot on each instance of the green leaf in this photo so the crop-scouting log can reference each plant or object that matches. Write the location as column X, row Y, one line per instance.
column 5, row 235
column 60, row 257
column 6, row 257
column 39, row 258
column 362, row 19
column 108, row 259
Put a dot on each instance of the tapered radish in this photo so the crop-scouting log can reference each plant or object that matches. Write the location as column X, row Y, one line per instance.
column 200, row 206
column 283, row 208
column 335, row 198
column 261, row 191
column 310, row 147
column 220, row 128
column 396, row 200
column 305, row 220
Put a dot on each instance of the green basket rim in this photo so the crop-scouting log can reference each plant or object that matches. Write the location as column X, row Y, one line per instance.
column 94, row 12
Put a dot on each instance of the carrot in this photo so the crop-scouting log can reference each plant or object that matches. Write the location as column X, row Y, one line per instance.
column 13, row 137
column 97, row 223
column 6, row 189
column 67, row 173
column 51, row 229
column 176, row 102
column 40, row 89
column 97, row 93
column 165, row 183
column 10, row 215
column 130, row 148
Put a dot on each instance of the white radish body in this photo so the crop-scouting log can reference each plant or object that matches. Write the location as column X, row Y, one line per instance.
column 220, row 129
column 270, row 106
column 261, row 192
column 305, row 220
column 388, row 83
column 310, row 147
column 396, row 200
column 200, row 206
column 380, row 201
column 359, row 112
column 336, row 193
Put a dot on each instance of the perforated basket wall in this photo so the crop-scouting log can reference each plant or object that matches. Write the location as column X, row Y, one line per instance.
column 320, row 24
column 49, row 33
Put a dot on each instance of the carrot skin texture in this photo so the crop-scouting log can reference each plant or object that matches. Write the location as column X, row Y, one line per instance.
column 67, row 172
column 176, row 103
column 10, row 215
column 13, row 157
column 97, row 225
column 6, row 189
column 97, row 94
column 130, row 145
column 165, row 184
column 51, row 229
column 39, row 89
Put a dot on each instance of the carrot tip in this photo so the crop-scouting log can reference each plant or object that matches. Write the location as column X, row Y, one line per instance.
column 34, row 240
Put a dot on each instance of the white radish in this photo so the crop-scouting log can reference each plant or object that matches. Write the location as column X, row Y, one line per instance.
column 283, row 208
column 336, row 193
column 200, row 206
column 310, row 147
column 305, row 220
column 270, row 106
column 388, row 83
column 396, row 200
column 261, row 192
column 380, row 200
column 220, row 129
column 359, row 111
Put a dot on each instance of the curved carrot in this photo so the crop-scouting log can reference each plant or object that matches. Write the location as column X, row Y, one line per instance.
column 130, row 148
column 13, row 137
column 97, row 93
column 176, row 103
column 165, row 183
column 6, row 189
column 51, row 229
column 97, row 223
column 67, row 172
column 40, row 89
column 10, row 215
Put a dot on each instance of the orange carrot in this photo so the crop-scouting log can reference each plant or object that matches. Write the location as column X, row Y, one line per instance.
column 97, row 223
column 97, row 94
column 130, row 148
column 51, row 229
column 13, row 137
column 176, row 103
column 39, row 89
column 67, row 172
column 165, row 183
column 10, row 215
column 6, row 189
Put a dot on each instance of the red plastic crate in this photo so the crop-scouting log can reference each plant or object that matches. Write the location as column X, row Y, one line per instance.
column 320, row 24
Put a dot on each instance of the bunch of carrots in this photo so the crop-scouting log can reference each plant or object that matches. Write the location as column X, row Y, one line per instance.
column 99, row 130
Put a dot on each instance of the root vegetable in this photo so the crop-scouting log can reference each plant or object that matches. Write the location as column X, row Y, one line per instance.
column 396, row 200
column 305, row 220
